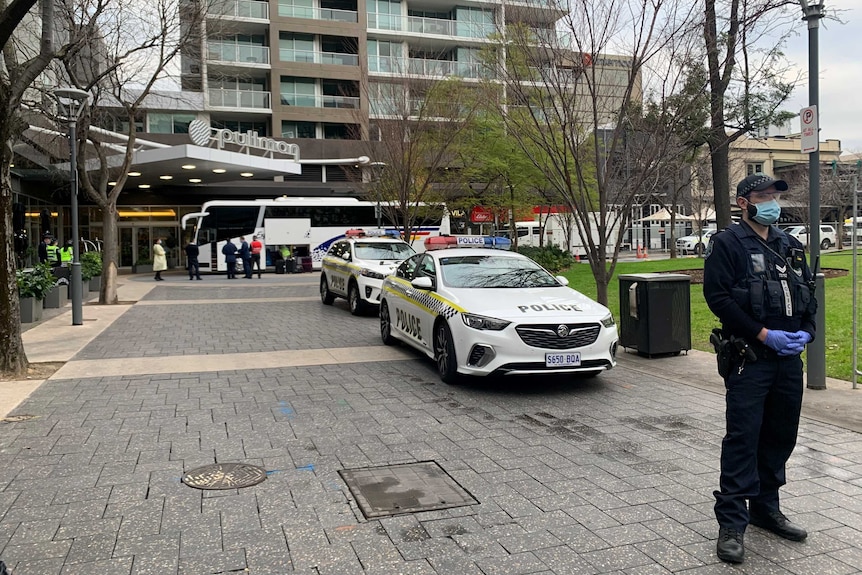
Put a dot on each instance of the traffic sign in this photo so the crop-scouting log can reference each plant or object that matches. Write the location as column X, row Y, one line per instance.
column 810, row 132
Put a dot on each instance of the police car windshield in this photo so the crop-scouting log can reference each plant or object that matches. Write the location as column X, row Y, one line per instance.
column 493, row 271
column 397, row 251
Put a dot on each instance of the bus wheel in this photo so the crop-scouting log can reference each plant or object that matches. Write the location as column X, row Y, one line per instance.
column 357, row 306
column 325, row 295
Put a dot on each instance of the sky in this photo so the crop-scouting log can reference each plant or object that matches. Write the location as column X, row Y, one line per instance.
column 840, row 75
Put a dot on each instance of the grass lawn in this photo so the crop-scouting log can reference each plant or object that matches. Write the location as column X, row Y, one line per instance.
column 838, row 302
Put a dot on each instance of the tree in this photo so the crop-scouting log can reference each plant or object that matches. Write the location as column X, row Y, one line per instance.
column 121, row 71
column 746, row 86
column 572, row 101
column 21, row 66
column 419, row 130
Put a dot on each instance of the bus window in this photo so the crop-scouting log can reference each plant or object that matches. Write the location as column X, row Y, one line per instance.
column 225, row 222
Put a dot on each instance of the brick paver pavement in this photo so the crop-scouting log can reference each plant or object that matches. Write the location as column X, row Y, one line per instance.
column 606, row 475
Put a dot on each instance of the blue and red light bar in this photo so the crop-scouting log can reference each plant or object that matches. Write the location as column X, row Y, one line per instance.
column 443, row 242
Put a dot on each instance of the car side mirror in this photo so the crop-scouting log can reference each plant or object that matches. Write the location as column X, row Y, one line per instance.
column 563, row 281
column 423, row 283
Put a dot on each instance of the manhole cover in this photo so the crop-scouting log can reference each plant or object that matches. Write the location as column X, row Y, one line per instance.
column 405, row 488
column 224, row 476
column 16, row 418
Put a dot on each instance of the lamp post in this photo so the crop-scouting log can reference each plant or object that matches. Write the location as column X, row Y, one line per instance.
column 74, row 101
column 812, row 14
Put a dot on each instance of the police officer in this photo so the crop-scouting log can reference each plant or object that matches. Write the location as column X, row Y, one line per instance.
column 53, row 251
column 66, row 253
column 47, row 238
column 757, row 282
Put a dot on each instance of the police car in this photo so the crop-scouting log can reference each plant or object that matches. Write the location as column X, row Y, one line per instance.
column 354, row 268
column 480, row 310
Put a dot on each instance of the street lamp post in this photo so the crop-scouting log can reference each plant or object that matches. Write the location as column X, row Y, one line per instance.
column 74, row 101
column 812, row 14
column 377, row 167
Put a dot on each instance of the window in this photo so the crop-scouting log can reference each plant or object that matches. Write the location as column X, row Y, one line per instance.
column 296, row 8
column 753, row 168
column 407, row 269
column 298, row 92
column 298, row 130
column 262, row 128
column 169, row 123
column 384, row 14
column 295, row 47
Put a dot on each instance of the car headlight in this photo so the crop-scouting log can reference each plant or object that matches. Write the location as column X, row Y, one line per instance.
column 608, row 320
column 371, row 274
column 482, row 322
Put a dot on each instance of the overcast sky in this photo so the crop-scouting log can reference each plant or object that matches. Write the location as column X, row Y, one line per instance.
column 840, row 75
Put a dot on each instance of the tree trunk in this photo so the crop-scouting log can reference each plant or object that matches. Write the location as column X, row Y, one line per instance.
column 108, row 292
column 13, row 360
column 719, row 146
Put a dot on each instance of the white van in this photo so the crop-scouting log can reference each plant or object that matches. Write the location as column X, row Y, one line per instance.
column 849, row 224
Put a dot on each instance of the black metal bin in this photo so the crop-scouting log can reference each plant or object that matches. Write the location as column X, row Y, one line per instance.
column 655, row 313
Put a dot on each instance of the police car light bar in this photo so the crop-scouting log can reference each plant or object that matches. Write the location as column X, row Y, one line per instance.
column 443, row 242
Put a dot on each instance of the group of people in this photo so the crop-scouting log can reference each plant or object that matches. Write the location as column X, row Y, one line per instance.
column 249, row 254
column 53, row 254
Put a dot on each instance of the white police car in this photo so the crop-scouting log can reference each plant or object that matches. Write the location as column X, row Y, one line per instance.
column 354, row 268
column 482, row 311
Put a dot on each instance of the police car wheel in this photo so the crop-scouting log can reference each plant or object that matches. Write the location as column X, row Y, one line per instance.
column 357, row 306
column 325, row 295
column 444, row 354
column 386, row 325
column 698, row 249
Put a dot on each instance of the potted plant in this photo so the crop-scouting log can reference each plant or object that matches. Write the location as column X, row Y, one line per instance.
column 33, row 284
column 91, row 269
column 144, row 264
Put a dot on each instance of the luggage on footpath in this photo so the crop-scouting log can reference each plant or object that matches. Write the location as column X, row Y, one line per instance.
column 279, row 267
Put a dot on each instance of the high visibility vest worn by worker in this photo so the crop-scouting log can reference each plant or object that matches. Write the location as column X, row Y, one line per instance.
column 66, row 255
column 285, row 252
column 53, row 254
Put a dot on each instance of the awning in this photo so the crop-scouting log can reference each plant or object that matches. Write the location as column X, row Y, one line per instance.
column 664, row 216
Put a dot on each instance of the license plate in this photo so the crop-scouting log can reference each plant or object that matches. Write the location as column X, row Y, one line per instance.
column 572, row 359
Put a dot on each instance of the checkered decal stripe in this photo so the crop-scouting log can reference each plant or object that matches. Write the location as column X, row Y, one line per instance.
column 404, row 290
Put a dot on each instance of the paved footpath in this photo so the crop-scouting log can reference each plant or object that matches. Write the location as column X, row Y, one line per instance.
column 606, row 475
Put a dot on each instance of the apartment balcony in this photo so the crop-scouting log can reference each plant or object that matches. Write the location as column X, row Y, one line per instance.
column 233, row 53
column 244, row 99
column 340, row 102
column 245, row 9
column 313, row 57
column 318, row 13
column 427, row 67
column 429, row 26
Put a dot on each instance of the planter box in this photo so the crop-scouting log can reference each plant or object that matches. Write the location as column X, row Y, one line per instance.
column 142, row 269
column 54, row 298
column 31, row 309
column 96, row 283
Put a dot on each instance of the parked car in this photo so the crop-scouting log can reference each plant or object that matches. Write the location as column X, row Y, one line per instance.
column 827, row 235
column 695, row 243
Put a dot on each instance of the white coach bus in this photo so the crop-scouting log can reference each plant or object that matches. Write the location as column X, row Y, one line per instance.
column 307, row 226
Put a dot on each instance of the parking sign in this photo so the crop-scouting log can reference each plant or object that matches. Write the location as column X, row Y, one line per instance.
column 808, row 123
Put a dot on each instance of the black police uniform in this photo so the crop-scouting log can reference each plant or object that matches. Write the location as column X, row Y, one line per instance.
column 750, row 284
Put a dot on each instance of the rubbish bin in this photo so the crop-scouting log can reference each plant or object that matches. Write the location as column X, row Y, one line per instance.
column 305, row 261
column 291, row 265
column 279, row 266
column 655, row 313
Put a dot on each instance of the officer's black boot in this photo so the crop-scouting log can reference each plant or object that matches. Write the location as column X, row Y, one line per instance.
column 730, row 547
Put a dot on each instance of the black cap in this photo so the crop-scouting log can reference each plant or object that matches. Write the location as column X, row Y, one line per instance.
column 758, row 183
column 47, row 235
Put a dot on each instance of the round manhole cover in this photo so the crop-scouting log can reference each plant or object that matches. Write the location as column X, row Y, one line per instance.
column 224, row 476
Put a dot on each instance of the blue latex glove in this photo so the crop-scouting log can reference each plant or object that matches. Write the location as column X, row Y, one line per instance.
column 778, row 340
column 803, row 336
column 797, row 345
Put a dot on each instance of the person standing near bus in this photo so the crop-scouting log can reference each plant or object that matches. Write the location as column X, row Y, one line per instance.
column 192, row 254
column 160, row 259
column 245, row 255
column 256, row 250
column 229, row 251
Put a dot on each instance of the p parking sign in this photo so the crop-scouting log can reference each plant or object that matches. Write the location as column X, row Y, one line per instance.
column 808, row 124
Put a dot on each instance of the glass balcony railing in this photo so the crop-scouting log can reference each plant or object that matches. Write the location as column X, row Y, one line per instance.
column 318, row 13
column 239, row 9
column 427, row 67
column 420, row 25
column 240, row 99
column 312, row 57
column 233, row 52
column 343, row 102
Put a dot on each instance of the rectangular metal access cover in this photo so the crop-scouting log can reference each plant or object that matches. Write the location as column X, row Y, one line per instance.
column 404, row 488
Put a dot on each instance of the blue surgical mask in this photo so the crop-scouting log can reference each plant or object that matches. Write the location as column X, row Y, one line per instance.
column 766, row 213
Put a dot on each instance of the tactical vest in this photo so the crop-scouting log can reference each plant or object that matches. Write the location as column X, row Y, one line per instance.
column 776, row 290
column 53, row 254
